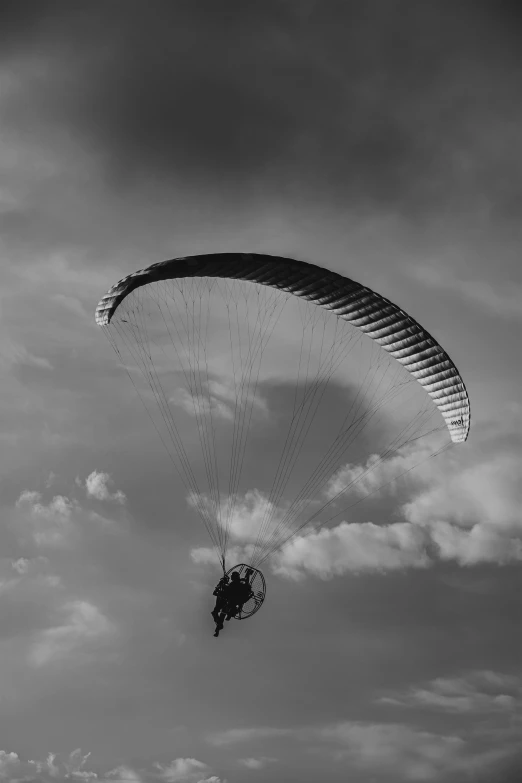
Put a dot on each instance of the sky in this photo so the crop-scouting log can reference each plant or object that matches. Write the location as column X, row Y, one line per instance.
column 380, row 140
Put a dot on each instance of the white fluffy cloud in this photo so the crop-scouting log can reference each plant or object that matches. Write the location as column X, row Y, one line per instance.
column 83, row 623
column 365, row 479
column 97, row 486
column 461, row 508
column 488, row 492
column 243, row 517
column 9, row 763
column 353, row 547
column 474, row 514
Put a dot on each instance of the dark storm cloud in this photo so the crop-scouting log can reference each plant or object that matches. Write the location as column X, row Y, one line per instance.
column 383, row 101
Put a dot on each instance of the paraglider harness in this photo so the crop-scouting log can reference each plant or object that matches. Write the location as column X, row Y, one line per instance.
column 228, row 606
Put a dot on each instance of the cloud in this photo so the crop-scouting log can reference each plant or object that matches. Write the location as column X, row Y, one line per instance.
column 58, row 524
column 70, row 768
column 123, row 774
column 256, row 763
column 222, row 398
column 12, row 353
column 197, row 405
column 52, row 523
column 487, row 492
column 75, row 764
column 97, row 486
column 181, row 770
column 353, row 547
column 7, row 584
column 21, row 565
column 413, row 754
column 74, row 306
column 465, row 506
column 377, row 472
column 31, row 574
column 48, row 766
column 9, row 762
column 396, row 749
column 473, row 512
column 83, row 623
column 478, row 692
column 184, row 770
column 499, row 299
column 243, row 516
column 204, row 555
column 233, row 736
column 343, row 128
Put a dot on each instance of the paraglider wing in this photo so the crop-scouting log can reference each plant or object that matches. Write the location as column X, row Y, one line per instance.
column 380, row 319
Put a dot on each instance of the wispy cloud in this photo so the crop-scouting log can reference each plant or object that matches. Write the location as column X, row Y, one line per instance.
column 478, row 692
column 84, row 623
column 51, row 524
column 256, row 763
column 13, row 353
column 500, row 299
column 234, row 736
column 75, row 764
column 234, row 554
column 396, row 749
column 222, row 399
column 31, row 576
column 59, row 523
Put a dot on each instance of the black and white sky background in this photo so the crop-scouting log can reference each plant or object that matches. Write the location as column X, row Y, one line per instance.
column 380, row 139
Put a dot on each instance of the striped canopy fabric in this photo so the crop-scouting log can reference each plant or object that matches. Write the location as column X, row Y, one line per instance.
column 384, row 322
